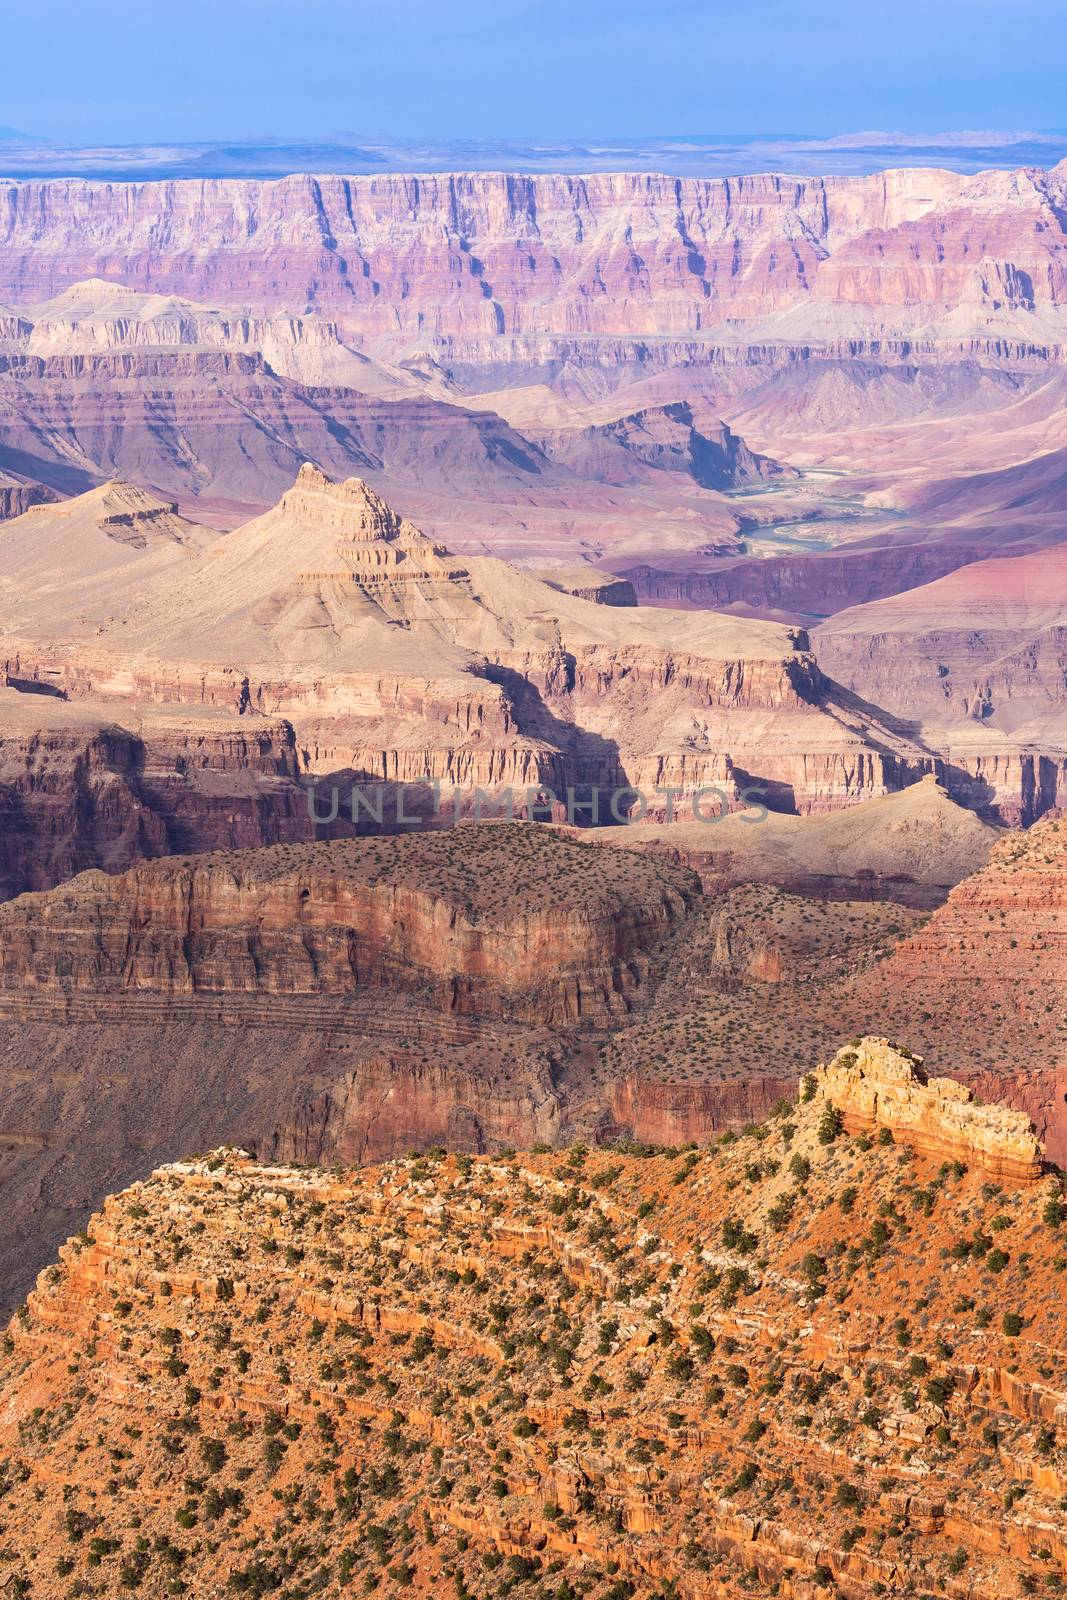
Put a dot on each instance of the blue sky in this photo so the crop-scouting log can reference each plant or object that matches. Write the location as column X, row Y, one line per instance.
column 99, row 70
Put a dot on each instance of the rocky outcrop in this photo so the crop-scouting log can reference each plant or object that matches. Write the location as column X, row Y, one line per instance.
column 17, row 497
column 874, row 1086
column 335, row 1356
column 634, row 448
column 80, row 791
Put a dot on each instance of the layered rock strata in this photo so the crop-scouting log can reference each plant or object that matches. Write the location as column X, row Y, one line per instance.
column 394, row 660
column 482, row 987
column 502, row 922
column 798, row 1362
column 478, row 256
column 874, row 1086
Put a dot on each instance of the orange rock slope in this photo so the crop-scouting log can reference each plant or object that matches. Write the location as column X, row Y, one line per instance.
column 796, row 1363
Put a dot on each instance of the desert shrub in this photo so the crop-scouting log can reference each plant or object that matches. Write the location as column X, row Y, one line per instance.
column 831, row 1124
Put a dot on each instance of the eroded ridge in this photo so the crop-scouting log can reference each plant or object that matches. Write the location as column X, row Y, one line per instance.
column 798, row 1362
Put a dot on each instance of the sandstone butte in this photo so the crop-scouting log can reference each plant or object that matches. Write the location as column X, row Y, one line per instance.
column 802, row 1361
column 197, row 685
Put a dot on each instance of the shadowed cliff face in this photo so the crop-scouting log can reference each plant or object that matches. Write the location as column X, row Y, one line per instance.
column 717, row 1369
column 79, row 790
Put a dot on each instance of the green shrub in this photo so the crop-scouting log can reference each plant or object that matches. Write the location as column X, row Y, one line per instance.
column 831, row 1124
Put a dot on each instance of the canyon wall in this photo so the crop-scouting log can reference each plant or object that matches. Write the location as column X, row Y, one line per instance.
column 79, row 791
column 444, row 919
column 490, row 254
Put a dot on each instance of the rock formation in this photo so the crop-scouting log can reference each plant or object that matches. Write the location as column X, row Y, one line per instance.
column 395, row 661
column 607, row 254
column 798, row 1362
column 478, row 987
column 911, row 847
column 84, row 785
column 988, row 642
column 875, row 1086
column 18, row 495
column 515, row 923
column 979, row 988
column 669, row 438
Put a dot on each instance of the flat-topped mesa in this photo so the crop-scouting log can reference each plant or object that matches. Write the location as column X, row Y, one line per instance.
column 872, row 1084
column 374, row 542
column 483, row 920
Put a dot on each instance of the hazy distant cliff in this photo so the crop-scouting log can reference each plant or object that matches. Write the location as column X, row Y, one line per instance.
column 611, row 254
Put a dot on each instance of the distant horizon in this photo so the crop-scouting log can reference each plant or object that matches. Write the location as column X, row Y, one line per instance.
column 346, row 136
column 695, row 155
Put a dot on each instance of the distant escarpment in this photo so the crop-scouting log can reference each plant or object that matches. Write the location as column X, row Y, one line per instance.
column 800, row 1362
column 481, row 255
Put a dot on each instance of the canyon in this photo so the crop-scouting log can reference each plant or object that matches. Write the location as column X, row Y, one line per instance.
column 539, row 364
column 331, row 637
column 550, row 258
column 332, row 642
column 781, row 399
column 822, row 1357
column 562, row 663
column 499, row 985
